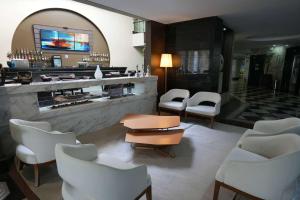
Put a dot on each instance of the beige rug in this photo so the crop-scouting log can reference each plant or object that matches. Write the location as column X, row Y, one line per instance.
column 189, row 176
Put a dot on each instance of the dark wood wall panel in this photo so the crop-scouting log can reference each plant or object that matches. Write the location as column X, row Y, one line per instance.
column 287, row 70
column 194, row 35
column 227, row 54
column 199, row 34
column 155, row 46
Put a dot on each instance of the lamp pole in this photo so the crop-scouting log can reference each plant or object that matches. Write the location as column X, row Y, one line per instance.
column 166, row 78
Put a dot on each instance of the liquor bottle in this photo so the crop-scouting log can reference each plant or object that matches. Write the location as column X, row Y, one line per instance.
column 137, row 71
column 143, row 71
column 17, row 54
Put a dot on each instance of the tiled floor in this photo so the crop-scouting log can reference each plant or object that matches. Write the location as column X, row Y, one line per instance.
column 262, row 104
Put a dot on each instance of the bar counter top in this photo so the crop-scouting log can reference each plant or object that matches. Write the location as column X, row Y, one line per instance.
column 59, row 85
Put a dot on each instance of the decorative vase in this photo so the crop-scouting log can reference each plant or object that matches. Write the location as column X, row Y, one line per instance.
column 98, row 74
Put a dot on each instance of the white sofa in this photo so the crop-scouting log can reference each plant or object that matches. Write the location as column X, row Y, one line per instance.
column 262, row 167
column 87, row 175
column 36, row 143
column 194, row 108
column 167, row 100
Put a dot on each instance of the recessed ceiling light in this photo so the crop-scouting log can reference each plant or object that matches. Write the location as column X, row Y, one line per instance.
column 224, row 29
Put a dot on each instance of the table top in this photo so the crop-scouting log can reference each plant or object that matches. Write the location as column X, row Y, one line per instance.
column 160, row 138
column 142, row 122
column 133, row 116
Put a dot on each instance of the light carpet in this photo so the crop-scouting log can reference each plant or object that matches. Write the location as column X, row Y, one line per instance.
column 189, row 176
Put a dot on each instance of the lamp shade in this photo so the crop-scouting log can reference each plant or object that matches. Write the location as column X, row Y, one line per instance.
column 166, row 60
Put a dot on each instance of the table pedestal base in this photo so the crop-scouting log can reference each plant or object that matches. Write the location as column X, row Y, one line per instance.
column 158, row 149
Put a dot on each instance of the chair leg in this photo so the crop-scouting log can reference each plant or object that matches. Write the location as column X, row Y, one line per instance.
column 158, row 111
column 216, row 190
column 36, row 175
column 19, row 164
column 180, row 113
column 212, row 120
column 149, row 193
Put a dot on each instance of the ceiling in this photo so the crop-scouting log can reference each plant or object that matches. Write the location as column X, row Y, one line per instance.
column 255, row 22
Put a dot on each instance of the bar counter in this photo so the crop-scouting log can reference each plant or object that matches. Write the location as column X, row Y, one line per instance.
column 21, row 101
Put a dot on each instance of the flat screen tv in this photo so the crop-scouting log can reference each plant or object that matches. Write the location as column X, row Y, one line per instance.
column 64, row 41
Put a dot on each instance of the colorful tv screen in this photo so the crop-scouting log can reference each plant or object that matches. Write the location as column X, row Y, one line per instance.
column 64, row 41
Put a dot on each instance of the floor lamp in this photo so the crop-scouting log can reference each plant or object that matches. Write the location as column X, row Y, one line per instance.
column 166, row 61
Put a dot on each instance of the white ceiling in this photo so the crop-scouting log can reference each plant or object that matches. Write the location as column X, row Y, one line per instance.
column 272, row 21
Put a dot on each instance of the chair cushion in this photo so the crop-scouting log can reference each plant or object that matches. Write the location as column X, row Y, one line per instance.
column 178, row 99
column 207, row 103
column 236, row 154
column 202, row 110
column 174, row 105
column 25, row 154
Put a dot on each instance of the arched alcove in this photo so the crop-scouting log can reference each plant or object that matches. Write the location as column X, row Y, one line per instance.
column 24, row 37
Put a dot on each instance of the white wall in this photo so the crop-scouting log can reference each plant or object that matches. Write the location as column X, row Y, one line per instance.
column 116, row 28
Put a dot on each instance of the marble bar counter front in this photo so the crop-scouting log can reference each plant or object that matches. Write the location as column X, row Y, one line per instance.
column 84, row 116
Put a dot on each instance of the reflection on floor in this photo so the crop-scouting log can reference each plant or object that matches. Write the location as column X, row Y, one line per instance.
column 265, row 105
column 252, row 104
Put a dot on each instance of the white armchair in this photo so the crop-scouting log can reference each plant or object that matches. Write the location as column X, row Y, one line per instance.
column 263, row 168
column 36, row 143
column 194, row 108
column 167, row 100
column 288, row 125
column 87, row 175
column 273, row 127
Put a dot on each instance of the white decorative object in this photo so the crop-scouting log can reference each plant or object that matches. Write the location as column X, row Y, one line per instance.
column 98, row 73
column 87, row 175
column 148, row 71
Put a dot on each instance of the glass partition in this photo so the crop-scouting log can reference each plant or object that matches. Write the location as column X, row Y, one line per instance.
column 194, row 61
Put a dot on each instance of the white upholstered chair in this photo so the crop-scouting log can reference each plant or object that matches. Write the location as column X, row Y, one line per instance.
column 288, row 125
column 273, row 127
column 262, row 168
column 208, row 111
column 167, row 100
column 87, row 175
column 36, row 143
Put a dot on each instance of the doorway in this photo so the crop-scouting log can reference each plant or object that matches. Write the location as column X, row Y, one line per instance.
column 256, row 70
